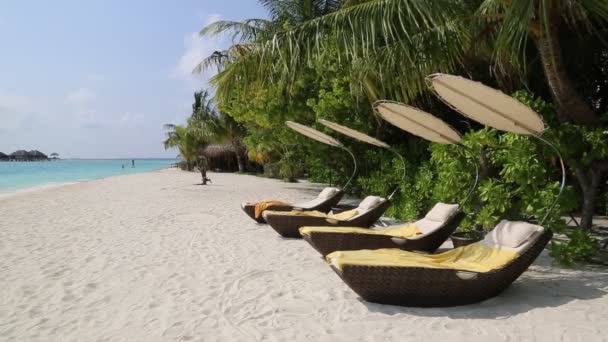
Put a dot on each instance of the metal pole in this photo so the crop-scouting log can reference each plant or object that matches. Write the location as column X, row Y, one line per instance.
column 402, row 176
column 470, row 192
column 563, row 184
column 355, row 167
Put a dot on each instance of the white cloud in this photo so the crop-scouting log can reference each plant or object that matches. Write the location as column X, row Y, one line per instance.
column 196, row 49
column 81, row 97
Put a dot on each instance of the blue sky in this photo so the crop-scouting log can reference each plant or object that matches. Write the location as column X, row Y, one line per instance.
column 99, row 78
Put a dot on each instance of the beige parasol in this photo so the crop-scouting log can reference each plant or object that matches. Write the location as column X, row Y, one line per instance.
column 417, row 122
column 486, row 105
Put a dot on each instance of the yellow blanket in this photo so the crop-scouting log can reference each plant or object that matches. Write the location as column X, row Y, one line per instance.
column 343, row 216
column 260, row 207
column 476, row 257
column 405, row 231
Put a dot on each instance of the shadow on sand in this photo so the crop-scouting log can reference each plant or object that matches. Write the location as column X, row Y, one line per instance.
column 545, row 287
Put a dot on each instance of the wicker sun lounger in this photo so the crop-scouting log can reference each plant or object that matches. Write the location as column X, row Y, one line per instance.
column 436, row 287
column 289, row 225
column 328, row 242
column 321, row 203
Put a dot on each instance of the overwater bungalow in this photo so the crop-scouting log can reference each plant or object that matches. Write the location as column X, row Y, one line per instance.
column 20, row 155
column 23, row 155
column 37, row 155
column 3, row 157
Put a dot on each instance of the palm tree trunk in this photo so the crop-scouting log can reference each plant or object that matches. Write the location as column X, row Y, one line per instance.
column 240, row 160
column 571, row 107
column 589, row 179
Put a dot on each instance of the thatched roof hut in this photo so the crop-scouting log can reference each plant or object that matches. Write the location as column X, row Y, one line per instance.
column 37, row 155
column 220, row 157
column 3, row 156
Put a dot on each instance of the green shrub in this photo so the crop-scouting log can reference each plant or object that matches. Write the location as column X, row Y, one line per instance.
column 581, row 246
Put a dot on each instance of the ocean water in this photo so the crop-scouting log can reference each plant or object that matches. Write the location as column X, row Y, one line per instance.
column 16, row 176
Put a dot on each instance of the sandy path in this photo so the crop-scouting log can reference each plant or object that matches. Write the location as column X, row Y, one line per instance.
column 152, row 257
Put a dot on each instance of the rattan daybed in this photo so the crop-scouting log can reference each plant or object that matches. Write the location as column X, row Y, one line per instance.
column 433, row 236
column 328, row 198
column 431, row 287
column 289, row 225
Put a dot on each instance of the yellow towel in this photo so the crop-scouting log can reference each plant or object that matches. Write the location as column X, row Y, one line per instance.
column 297, row 213
column 405, row 231
column 260, row 207
column 341, row 216
column 345, row 215
column 476, row 257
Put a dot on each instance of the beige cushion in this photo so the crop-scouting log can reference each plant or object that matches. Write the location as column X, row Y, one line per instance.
column 426, row 226
column 309, row 204
column 328, row 192
column 370, row 202
column 511, row 233
column 441, row 212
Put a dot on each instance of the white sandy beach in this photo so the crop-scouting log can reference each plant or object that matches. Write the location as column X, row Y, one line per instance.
column 154, row 257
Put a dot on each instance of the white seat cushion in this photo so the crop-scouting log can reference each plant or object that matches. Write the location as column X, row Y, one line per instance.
column 370, row 202
column 511, row 234
column 441, row 212
column 310, row 204
column 426, row 226
column 328, row 192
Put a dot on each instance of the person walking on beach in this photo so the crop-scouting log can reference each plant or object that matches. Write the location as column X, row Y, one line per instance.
column 132, row 162
column 202, row 167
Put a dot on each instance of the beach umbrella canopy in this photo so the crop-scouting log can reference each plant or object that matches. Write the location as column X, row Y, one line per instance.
column 486, row 105
column 314, row 134
column 417, row 122
column 367, row 139
column 325, row 139
column 494, row 108
column 424, row 125
column 353, row 133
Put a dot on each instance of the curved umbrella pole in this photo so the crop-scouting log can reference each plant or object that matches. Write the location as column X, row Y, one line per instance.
column 563, row 182
column 390, row 197
column 354, row 164
column 470, row 192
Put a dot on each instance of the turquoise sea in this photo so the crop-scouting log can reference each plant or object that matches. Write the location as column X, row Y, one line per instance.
column 16, row 176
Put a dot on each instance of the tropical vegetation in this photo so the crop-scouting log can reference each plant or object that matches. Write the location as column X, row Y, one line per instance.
column 312, row 59
column 205, row 125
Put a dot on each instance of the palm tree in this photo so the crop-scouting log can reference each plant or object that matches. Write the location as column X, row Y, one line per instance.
column 187, row 141
column 241, row 63
column 410, row 39
column 207, row 121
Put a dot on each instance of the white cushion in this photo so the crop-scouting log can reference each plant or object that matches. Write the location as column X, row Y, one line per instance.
column 328, row 192
column 370, row 202
column 309, row 204
column 441, row 212
column 426, row 226
column 511, row 234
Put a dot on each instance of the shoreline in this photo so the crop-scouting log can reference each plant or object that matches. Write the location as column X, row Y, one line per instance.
column 53, row 185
